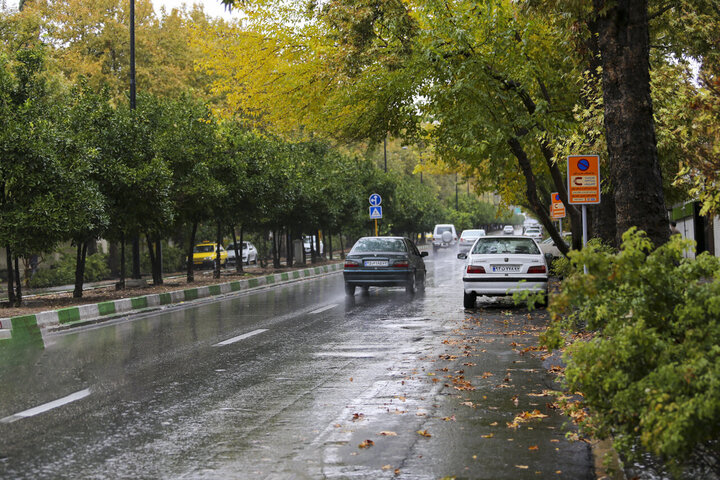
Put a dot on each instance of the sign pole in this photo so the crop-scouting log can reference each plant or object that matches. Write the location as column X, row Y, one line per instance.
column 584, row 222
column 376, row 232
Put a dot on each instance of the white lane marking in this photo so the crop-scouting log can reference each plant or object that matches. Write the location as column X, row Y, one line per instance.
column 48, row 406
column 322, row 309
column 240, row 337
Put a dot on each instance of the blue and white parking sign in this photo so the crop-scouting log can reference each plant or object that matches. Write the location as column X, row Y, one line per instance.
column 375, row 212
column 375, row 199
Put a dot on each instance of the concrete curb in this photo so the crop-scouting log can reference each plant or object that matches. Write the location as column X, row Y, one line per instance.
column 111, row 309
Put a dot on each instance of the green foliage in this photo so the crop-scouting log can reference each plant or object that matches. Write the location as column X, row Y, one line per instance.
column 63, row 272
column 649, row 372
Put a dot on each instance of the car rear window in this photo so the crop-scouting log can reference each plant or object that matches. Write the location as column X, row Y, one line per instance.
column 203, row 249
column 365, row 245
column 472, row 234
column 441, row 230
column 505, row 246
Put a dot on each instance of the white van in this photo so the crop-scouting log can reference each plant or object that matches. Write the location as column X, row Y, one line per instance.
column 444, row 235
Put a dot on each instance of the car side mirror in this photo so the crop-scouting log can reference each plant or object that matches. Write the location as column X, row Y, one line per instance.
column 423, row 254
column 462, row 256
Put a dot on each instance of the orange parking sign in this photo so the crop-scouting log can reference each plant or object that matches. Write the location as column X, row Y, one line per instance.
column 557, row 208
column 583, row 179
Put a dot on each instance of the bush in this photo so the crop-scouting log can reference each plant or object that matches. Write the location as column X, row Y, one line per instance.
column 63, row 273
column 650, row 370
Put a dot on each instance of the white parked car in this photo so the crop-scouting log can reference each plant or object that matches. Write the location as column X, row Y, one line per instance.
column 509, row 230
column 501, row 265
column 468, row 237
column 249, row 253
column 534, row 232
column 444, row 235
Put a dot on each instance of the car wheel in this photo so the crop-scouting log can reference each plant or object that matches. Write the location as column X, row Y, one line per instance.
column 349, row 289
column 469, row 300
column 410, row 286
column 255, row 260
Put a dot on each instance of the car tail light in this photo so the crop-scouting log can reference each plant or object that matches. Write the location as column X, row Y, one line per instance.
column 475, row 269
column 537, row 269
column 403, row 263
column 351, row 264
column 462, row 239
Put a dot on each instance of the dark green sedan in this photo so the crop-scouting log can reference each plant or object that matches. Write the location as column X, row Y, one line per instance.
column 384, row 262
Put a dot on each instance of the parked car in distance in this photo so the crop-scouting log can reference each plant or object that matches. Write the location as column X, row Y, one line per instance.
column 204, row 254
column 548, row 245
column 468, row 237
column 384, row 262
column 534, row 232
column 500, row 265
column 444, row 235
column 308, row 246
column 509, row 230
column 249, row 253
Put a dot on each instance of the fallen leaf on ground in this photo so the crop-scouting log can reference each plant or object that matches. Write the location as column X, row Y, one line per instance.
column 366, row 444
column 449, row 419
column 387, row 467
column 534, row 447
column 523, row 467
column 387, row 433
column 487, row 374
column 358, row 416
column 424, row 433
column 489, row 435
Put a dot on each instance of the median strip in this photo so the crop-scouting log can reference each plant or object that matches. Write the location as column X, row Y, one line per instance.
column 47, row 406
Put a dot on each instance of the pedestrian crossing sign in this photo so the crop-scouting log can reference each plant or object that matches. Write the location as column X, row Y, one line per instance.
column 375, row 212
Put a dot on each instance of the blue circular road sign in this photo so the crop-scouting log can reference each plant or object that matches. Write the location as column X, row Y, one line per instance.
column 375, row 199
column 583, row 164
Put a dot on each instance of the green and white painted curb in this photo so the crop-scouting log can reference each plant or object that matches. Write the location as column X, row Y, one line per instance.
column 114, row 308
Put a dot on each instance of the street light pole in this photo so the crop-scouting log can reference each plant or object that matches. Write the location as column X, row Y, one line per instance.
column 456, row 192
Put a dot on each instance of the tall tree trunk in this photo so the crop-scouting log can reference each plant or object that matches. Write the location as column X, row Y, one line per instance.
column 238, row 251
column 288, row 250
column 218, row 241
column 329, row 239
column 18, row 285
column 242, row 232
column 624, row 41
column 153, row 262
column 191, row 247
column 275, row 250
column 121, row 283
column 82, row 249
column 159, row 259
column 11, row 276
column 136, row 257
column 342, row 248
column 539, row 208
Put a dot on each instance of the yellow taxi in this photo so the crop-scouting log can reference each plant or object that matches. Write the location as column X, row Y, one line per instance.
column 204, row 254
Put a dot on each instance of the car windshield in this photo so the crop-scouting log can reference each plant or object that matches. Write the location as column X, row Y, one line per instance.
column 472, row 234
column 203, row 249
column 505, row 246
column 441, row 230
column 365, row 245
column 245, row 246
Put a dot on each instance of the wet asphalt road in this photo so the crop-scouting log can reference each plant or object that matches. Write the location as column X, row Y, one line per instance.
column 291, row 382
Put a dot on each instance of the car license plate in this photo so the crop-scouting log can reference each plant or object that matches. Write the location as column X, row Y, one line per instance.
column 506, row 268
column 376, row 263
